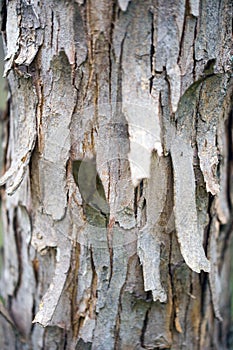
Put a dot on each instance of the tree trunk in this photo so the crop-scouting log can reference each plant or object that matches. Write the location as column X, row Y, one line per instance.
column 117, row 205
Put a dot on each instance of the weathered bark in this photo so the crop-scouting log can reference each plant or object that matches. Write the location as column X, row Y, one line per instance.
column 117, row 204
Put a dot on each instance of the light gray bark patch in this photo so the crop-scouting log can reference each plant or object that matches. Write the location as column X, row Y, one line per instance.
column 22, row 131
column 24, row 40
column 11, row 262
column 206, row 43
column 163, row 338
column 12, row 32
column 51, row 298
column 150, row 237
column 22, row 304
column 104, row 334
column 144, row 137
column 123, row 4
column 212, row 94
column 213, row 39
column 186, row 59
column 168, row 32
column 79, row 36
column 149, row 255
column 31, row 34
column 112, row 146
column 53, row 188
column 133, row 311
column 70, row 36
column 44, row 235
column 48, row 234
column 57, row 114
column 214, row 278
column 197, row 123
column 190, row 239
column 139, row 108
column 194, row 7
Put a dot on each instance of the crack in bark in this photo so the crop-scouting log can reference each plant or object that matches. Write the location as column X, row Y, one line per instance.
column 138, row 193
column 18, row 243
column 229, row 131
column 52, row 28
column 152, row 51
column 194, row 40
column 118, row 319
column 94, row 281
column 166, row 78
column 135, row 202
column 3, row 16
column 75, row 322
column 183, row 31
column 145, row 322
column 172, row 318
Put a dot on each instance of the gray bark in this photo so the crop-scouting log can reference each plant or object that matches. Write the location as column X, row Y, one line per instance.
column 117, row 197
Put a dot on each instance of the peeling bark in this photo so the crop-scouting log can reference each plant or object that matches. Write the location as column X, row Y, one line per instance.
column 118, row 163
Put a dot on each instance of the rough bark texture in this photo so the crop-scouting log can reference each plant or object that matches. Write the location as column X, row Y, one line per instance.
column 117, row 204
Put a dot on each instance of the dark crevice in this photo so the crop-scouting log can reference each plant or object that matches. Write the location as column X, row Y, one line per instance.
column 33, row 314
column 52, row 27
column 109, row 182
column 138, row 193
column 7, row 217
column 94, row 275
column 162, row 124
column 151, row 83
column 35, row 266
column 118, row 321
column 65, row 341
column 170, row 272
column 228, row 130
column 166, row 78
column 110, row 74
column 207, row 230
column 73, row 76
column 183, row 31
column 136, row 202
column 141, row 188
column 145, row 322
column 203, row 278
column 119, row 73
column 57, row 39
column 3, row 16
column 18, row 243
column 73, row 272
column 194, row 57
column 209, row 67
column 152, row 52
column 110, row 248
column 6, row 132
column 110, row 49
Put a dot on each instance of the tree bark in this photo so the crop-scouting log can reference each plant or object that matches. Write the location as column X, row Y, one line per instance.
column 117, row 197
